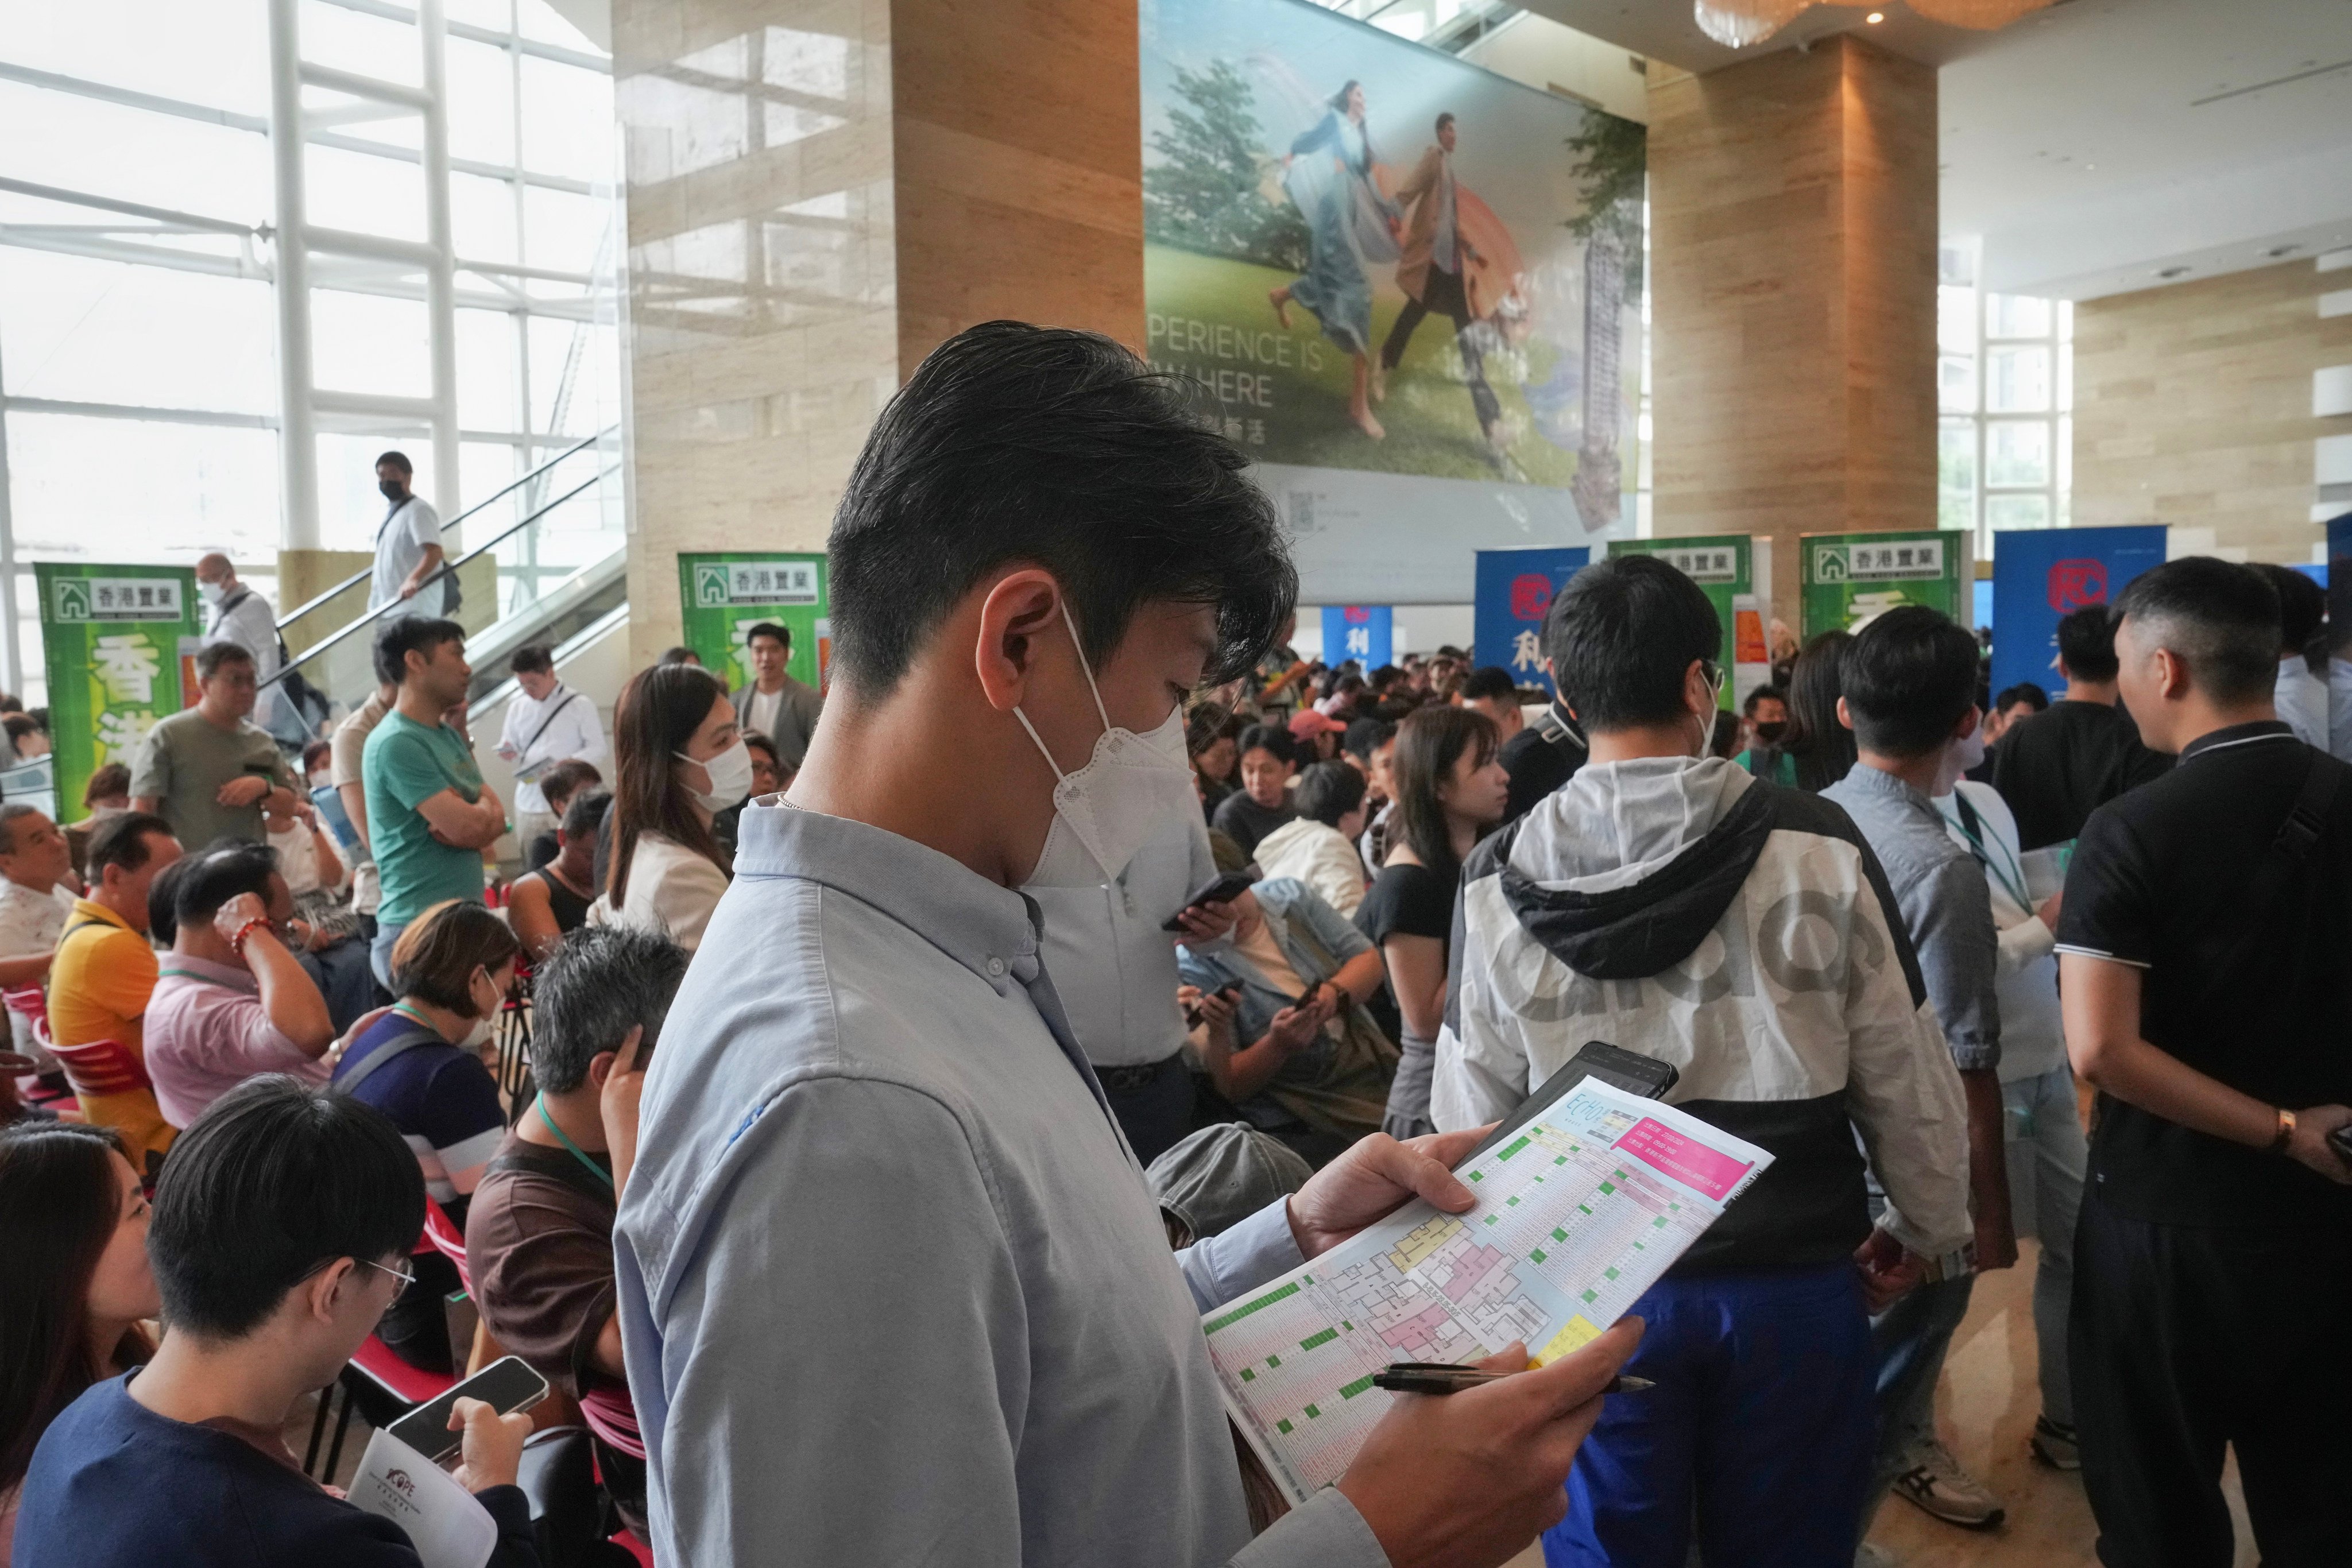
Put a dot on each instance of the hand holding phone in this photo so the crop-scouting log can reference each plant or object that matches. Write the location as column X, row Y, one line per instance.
column 505, row 1386
column 1223, row 889
column 489, row 1443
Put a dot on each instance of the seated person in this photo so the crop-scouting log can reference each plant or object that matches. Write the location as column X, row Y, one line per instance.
column 281, row 1229
column 1269, row 759
column 1319, row 848
column 108, row 794
column 104, row 972
column 418, row 1064
column 560, row 784
column 34, row 903
column 539, row 1236
column 547, row 905
column 1283, row 1033
column 232, row 1000
column 73, row 1225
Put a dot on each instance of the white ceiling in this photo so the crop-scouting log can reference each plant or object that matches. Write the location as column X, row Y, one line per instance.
column 2098, row 143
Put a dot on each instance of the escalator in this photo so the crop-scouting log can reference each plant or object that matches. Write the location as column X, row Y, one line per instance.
column 543, row 561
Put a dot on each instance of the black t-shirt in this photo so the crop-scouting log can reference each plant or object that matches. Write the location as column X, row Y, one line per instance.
column 2163, row 879
column 1537, row 765
column 2056, row 766
column 1245, row 822
column 1409, row 899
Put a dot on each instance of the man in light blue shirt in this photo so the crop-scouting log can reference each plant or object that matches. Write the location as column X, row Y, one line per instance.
column 891, row 1287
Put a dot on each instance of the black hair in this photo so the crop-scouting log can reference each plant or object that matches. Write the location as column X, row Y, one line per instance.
column 2025, row 692
column 398, row 460
column 681, row 654
column 1429, row 744
column 2086, row 642
column 216, row 873
column 1271, row 739
column 405, row 634
column 755, row 741
column 318, row 751
column 162, row 901
column 1908, row 677
column 2303, row 606
column 1621, row 635
column 273, row 1182
column 586, row 813
column 1443, row 121
column 599, row 983
column 121, row 840
column 1491, row 682
column 434, row 958
column 114, row 779
column 1366, row 736
column 1328, row 791
column 1766, row 694
column 2219, row 619
column 1205, row 725
column 531, row 659
column 770, row 629
column 1820, row 747
column 567, row 779
column 210, row 658
column 1020, row 445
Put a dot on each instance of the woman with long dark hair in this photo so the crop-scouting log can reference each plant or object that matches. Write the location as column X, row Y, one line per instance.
column 1816, row 751
column 1450, row 789
column 679, row 761
column 1350, row 226
column 73, row 1229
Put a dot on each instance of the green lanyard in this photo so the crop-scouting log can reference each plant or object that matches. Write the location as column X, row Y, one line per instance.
column 599, row 1172
column 1968, row 825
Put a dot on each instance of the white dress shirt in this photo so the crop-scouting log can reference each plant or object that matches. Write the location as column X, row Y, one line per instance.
column 561, row 726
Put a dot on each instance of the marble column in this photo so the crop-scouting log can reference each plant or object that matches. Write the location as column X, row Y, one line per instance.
column 819, row 192
column 1792, row 204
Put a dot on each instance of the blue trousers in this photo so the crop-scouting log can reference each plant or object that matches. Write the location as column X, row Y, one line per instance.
column 1758, row 1433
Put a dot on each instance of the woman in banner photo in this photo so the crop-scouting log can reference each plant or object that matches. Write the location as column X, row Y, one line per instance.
column 1351, row 228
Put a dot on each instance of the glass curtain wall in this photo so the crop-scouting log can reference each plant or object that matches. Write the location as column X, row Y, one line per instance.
column 2005, row 392
column 138, row 330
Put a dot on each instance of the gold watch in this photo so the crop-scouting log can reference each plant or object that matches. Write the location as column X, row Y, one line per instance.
column 2285, row 1130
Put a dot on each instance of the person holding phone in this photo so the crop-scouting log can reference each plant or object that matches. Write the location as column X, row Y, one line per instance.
column 281, row 1230
column 210, row 772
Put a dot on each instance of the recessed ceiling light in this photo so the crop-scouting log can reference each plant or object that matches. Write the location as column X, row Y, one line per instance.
column 1875, row 17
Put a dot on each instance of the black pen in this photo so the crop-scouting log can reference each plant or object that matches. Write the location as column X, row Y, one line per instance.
column 1452, row 1377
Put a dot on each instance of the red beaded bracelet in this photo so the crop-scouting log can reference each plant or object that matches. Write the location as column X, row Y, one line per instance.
column 243, row 931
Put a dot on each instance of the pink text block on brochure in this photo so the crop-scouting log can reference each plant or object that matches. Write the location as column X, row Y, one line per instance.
column 1695, row 1165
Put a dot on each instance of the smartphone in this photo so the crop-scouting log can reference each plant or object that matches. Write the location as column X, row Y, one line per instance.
column 1223, row 889
column 506, row 1385
column 1192, row 1015
column 1626, row 1069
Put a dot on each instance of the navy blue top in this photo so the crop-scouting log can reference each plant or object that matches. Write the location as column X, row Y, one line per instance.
column 115, row 1485
column 443, row 1100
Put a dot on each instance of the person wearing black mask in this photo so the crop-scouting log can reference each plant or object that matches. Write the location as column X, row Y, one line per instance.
column 408, row 551
column 1767, row 713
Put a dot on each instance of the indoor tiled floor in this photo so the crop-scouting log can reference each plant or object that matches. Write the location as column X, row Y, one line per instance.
column 1985, row 1408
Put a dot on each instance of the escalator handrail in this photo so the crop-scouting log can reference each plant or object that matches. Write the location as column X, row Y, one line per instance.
column 448, row 568
column 352, row 582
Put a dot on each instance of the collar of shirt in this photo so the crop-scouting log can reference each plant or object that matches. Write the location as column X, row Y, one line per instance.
column 1878, row 781
column 189, row 967
column 989, row 929
column 2236, row 735
column 84, row 909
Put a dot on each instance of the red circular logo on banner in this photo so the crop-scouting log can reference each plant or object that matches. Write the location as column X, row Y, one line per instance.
column 1530, row 596
column 2074, row 583
column 1355, row 614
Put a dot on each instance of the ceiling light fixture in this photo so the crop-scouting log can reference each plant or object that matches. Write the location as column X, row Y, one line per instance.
column 1737, row 24
column 1875, row 17
column 1982, row 16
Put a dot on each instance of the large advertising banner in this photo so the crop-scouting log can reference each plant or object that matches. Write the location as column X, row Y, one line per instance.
column 2041, row 575
column 1846, row 578
column 1725, row 568
column 1364, row 632
column 119, row 644
column 1410, row 286
column 1514, row 589
column 724, row 595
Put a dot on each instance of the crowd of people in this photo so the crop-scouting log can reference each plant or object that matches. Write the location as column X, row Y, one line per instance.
column 1085, row 919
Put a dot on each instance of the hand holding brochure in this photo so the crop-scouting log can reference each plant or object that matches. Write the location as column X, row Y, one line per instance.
column 1579, row 1212
column 447, row 1526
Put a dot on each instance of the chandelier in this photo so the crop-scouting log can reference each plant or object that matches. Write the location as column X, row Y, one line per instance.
column 1736, row 23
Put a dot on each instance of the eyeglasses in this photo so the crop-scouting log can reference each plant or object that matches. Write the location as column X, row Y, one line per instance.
column 405, row 1273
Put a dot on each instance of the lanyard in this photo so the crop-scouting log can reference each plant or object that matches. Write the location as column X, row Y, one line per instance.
column 405, row 1010
column 2015, row 887
column 599, row 1172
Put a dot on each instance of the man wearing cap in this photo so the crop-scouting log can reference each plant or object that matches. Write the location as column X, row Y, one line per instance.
column 1317, row 735
column 1221, row 1175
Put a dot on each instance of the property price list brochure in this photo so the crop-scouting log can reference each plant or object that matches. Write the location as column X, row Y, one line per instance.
column 1577, row 1213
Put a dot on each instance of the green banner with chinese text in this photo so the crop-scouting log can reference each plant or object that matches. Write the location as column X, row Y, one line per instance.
column 1848, row 577
column 724, row 595
column 1724, row 567
column 118, row 642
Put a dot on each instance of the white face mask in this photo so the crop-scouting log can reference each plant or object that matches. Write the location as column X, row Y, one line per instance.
column 213, row 592
column 1958, row 758
column 1108, row 809
column 730, row 778
column 479, row 1035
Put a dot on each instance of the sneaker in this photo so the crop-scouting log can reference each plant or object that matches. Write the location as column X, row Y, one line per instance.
column 1940, row 1488
column 2054, row 1445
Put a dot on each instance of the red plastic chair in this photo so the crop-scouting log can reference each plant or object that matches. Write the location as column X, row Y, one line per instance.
column 442, row 1235
column 382, row 1385
column 99, row 1067
column 29, row 1000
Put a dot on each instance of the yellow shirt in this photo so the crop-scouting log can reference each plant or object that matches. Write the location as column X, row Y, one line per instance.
column 99, row 986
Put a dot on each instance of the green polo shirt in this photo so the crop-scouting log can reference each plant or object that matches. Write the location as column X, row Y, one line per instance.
column 404, row 765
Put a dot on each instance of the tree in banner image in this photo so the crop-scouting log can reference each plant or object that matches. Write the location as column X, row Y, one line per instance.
column 1613, row 162
column 1207, row 191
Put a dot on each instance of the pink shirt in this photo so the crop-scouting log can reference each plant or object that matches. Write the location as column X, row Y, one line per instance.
column 206, row 1034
